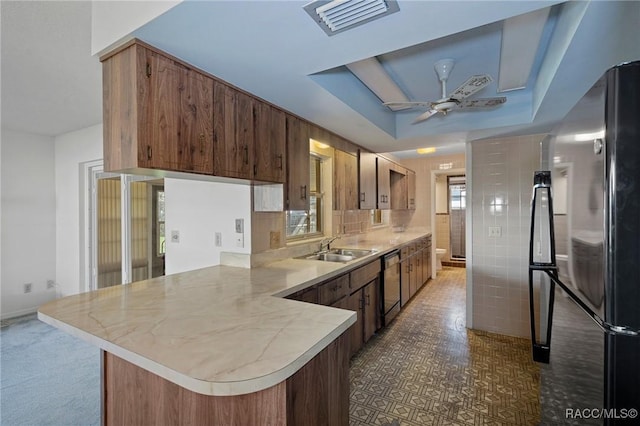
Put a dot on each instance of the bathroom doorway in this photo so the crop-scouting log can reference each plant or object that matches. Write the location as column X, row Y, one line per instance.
column 457, row 212
column 449, row 202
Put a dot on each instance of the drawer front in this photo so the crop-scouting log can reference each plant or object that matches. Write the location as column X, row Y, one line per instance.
column 333, row 290
column 364, row 275
column 307, row 295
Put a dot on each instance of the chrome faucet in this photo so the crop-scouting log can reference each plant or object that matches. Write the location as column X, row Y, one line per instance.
column 325, row 244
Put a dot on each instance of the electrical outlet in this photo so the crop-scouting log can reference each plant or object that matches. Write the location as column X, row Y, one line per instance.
column 50, row 284
column 495, row 231
column 175, row 236
column 240, row 240
column 218, row 239
column 27, row 287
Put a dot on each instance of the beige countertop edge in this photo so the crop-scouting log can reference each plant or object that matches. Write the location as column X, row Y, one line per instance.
column 201, row 386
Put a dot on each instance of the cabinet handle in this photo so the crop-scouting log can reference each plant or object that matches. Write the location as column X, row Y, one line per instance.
column 362, row 304
column 246, row 154
column 303, row 192
column 202, row 143
column 362, row 197
column 280, row 162
column 368, row 300
column 149, row 152
column 255, row 169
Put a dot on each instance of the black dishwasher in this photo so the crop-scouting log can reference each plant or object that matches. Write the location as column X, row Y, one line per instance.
column 391, row 286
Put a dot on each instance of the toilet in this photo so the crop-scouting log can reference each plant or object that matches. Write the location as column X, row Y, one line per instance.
column 440, row 252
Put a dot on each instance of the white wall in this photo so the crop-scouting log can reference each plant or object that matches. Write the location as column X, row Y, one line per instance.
column 71, row 150
column 28, row 221
column 442, row 199
column 113, row 20
column 502, row 180
column 198, row 210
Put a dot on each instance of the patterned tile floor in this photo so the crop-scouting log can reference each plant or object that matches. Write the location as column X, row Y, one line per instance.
column 426, row 368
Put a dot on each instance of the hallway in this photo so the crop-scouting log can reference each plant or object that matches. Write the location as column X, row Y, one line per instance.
column 426, row 368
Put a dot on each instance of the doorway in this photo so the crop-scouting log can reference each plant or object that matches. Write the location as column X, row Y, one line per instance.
column 126, row 228
column 457, row 216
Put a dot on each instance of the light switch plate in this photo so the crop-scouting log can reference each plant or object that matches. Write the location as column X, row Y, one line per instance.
column 495, row 231
column 239, row 226
column 218, row 239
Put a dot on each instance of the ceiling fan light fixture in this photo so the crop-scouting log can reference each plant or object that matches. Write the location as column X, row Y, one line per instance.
column 339, row 15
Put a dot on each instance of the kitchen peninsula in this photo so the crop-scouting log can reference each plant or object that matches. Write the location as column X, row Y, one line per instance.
column 220, row 345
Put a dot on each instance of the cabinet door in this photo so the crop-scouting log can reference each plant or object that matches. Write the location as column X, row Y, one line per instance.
column 233, row 132
column 418, row 271
column 405, row 294
column 177, row 117
column 345, row 181
column 411, row 189
column 371, row 309
column 426, row 265
column 355, row 303
column 413, row 281
column 384, row 183
column 270, row 142
column 297, row 196
column 367, row 181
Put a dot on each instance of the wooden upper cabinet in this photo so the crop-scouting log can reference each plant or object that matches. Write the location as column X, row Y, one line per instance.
column 384, row 183
column 345, row 195
column 411, row 189
column 158, row 113
column 367, row 181
column 270, row 142
column 233, row 132
column 398, row 190
column 298, row 172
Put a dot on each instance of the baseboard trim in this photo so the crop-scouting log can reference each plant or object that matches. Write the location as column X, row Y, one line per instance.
column 19, row 313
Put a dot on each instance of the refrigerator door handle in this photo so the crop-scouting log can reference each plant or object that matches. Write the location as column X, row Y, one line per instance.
column 605, row 326
column 541, row 193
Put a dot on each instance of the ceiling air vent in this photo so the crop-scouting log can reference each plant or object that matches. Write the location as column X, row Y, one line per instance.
column 340, row 15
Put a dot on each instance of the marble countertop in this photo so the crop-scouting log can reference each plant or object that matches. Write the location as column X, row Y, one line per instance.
column 217, row 330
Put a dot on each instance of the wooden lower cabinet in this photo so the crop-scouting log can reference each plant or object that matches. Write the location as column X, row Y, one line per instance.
column 317, row 394
column 371, row 304
column 366, row 303
column 356, row 332
column 405, row 293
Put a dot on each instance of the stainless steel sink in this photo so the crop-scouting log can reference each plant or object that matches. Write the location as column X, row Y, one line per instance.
column 356, row 253
column 337, row 255
column 329, row 257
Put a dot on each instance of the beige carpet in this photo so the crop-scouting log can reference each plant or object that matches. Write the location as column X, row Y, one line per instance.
column 426, row 368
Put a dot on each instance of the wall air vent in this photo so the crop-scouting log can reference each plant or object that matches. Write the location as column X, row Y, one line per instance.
column 340, row 15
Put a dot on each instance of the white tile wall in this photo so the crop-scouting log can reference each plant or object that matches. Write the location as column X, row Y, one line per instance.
column 502, row 177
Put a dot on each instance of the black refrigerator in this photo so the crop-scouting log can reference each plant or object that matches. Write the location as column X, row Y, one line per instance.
column 584, row 258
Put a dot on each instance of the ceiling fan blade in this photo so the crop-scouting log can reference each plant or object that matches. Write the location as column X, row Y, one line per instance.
column 482, row 102
column 403, row 105
column 424, row 116
column 473, row 84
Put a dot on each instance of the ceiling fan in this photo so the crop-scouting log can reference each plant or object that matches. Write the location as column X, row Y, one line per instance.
column 457, row 99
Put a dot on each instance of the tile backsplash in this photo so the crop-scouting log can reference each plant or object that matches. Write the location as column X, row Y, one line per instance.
column 502, row 179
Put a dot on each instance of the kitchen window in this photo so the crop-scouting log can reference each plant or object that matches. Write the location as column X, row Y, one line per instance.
column 304, row 224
